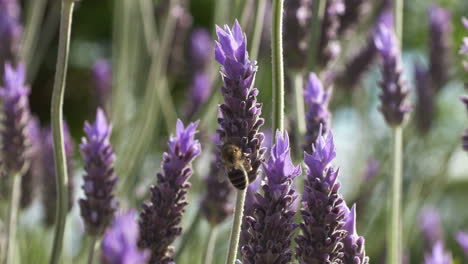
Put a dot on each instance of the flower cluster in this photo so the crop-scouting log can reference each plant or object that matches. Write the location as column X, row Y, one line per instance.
column 329, row 45
column 99, row 206
column 239, row 119
column 11, row 32
column 161, row 216
column 438, row 255
column 271, row 225
column 102, row 78
column 354, row 250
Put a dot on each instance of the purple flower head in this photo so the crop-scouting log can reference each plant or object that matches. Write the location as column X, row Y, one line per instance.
column 99, row 206
column 329, row 45
column 462, row 239
column 239, row 119
column 250, row 201
column 354, row 13
column 10, row 31
column 16, row 116
column 49, row 183
column 440, row 45
column 438, row 255
column 271, row 224
column 322, row 210
column 161, row 216
column 394, row 93
column 199, row 91
column 102, row 78
column 297, row 22
column 431, row 227
column 317, row 117
column 119, row 245
column 201, row 48
column 425, row 98
column 354, row 250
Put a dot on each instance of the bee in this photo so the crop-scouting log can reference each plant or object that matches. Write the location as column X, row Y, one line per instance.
column 236, row 165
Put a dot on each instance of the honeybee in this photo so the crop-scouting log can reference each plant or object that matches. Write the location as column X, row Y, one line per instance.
column 236, row 165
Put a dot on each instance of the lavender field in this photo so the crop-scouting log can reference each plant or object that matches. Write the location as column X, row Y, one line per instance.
column 233, row 131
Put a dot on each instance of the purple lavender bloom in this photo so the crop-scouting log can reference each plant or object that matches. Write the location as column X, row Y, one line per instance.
column 425, row 98
column 354, row 13
column 329, row 45
column 440, row 45
column 438, row 255
column 429, row 220
column 297, row 22
column 354, row 250
column 272, row 224
column 99, row 206
column 462, row 239
column 201, row 49
column 49, row 182
column 394, row 93
column 16, row 116
column 322, row 210
column 10, row 31
column 317, row 115
column 199, row 92
column 119, row 245
column 161, row 216
column 102, row 78
column 250, row 200
column 34, row 173
column 239, row 119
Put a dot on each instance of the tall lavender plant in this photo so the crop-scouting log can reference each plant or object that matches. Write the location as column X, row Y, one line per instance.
column 271, row 226
column 323, row 211
column 161, row 216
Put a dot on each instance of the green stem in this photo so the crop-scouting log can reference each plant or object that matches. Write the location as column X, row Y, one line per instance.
column 35, row 14
column 395, row 247
column 92, row 246
column 188, row 235
column 317, row 18
column 257, row 34
column 399, row 20
column 300, row 108
column 236, row 227
column 13, row 218
column 57, row 128
column 278, row 65
column 212, row 235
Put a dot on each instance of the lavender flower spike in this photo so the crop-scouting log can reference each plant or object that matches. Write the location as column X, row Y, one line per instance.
column 438, row 255
column 323, row 213
column 394, row 105
column 239, row 119
column 16, row 116
column 102, row 78
column 201, row 49
column 462, row 239
column 99, row 206
column 161, row 216
column 119, row 245
column 317, row 115
column 272, row 224
column 329, row 45
column 354, row 251
column 431, row 227
column 440, row 45
column 10, row 31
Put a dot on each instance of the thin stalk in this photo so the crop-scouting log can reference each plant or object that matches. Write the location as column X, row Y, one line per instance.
column 236, row 227
column 300, row 108
column 149, row 25
column 317, row 18
column 188, row 234
column 57, row 128
column 92, row 246
column 257, row 34
column 210, row 246
column 13, row 218
column 399, row 20
column 35, row 14
column 395, row 247
column 278, row 65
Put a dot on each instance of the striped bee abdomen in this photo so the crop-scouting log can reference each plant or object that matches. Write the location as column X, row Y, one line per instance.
column 238, row 178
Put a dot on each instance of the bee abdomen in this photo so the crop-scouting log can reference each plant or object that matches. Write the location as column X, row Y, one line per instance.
column 238, row 178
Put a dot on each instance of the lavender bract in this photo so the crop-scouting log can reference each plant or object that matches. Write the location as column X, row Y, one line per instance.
column 329, row 45
column 239, row 119
column 438, row 255
column 250, row 200
column 49, row 182
column 161, row 216
column 323, row 211
column 102, row 78
column 394, row 94
column 16, row 117
column 10, row 32
column 99, row 206
column 271, row 226
column 297, row 22
column 317, row 116
column 425, row 98
column 462, row 239
column 119, row 245
column 354, row 250
column 440, row 45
